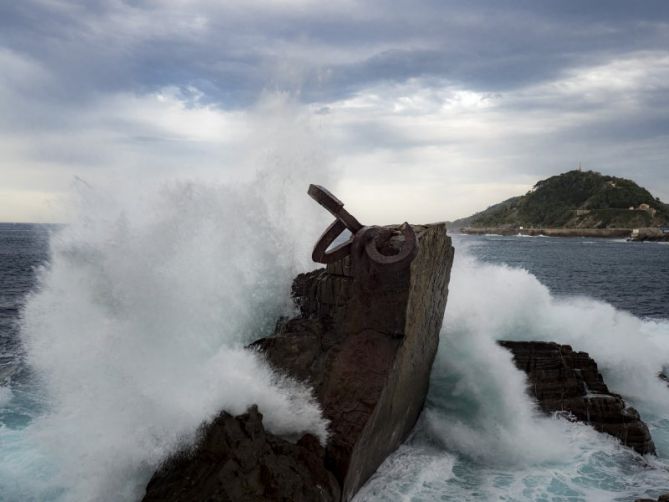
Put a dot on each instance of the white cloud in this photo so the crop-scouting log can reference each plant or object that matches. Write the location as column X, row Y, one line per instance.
column 422, row 150
column 441, row 110
column 148, row 139
column 19, row 71
column 29, row 206
column 435, row 151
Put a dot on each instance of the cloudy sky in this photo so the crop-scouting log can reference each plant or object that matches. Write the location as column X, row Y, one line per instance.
column 426, row 110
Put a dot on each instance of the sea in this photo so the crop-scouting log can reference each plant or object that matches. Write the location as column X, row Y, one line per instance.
column 118, row 338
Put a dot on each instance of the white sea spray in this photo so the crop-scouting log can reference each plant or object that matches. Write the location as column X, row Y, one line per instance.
column 137, row 328
column 5, row 395
column 481, row 437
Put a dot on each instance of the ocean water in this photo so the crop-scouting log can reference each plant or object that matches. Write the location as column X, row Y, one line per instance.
column 480, row 437
column 125, row 330
column 119, row 335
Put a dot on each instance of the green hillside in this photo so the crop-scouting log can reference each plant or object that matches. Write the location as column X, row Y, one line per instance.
column 576, row 199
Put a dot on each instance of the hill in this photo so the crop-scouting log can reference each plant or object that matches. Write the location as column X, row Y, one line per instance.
column 575, row 199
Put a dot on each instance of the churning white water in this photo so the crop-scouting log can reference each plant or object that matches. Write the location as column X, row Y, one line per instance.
column 136, row 330
column 481, row 438
column 135, row 336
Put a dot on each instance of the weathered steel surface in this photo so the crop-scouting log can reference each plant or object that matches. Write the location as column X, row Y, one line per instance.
column 365, row 243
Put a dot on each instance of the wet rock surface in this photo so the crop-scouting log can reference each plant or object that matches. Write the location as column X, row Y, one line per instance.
column 662, row 498
column 563, row 380
column 237, row 460
column 365, row 341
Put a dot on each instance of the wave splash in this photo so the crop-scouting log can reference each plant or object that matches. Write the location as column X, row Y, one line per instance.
column 481, row 438
column 137, row 328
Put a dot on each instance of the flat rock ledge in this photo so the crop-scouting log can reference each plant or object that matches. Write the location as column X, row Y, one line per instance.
column 365, row 343
column 562, row 380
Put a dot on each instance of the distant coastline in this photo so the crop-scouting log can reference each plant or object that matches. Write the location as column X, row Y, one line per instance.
column 576, row 204
column 639, row 234
column 550, row 232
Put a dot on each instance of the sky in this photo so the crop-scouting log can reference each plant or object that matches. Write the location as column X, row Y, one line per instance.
column 426, row 110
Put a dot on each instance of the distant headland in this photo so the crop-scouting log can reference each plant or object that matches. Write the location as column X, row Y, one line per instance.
column 576, row 203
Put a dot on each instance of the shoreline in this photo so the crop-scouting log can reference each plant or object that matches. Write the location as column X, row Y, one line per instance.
column 551, row 232
column 643, row 234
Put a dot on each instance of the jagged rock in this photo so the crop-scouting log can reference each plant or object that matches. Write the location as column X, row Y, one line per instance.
column 566, row 381
column 237, row 460
column 662, row 498
column 365, row 342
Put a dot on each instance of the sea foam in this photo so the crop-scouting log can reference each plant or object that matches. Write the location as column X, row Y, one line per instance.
column 482, row 438
column 136, row 330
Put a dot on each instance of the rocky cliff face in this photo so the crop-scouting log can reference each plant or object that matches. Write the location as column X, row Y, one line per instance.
column 366, row 344
column 237, row 460
column 365, row 341
column 566, row 381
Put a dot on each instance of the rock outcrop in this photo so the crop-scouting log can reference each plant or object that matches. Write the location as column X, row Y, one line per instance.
column 237, row 460
column 662, row 498
column 365, row 341
column 562, row 380
column 366, row 344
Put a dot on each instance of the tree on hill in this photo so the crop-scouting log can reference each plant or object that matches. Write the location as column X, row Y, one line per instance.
column 577, row 199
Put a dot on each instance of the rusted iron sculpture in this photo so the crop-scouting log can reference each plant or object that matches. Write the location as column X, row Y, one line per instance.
column 364, row 240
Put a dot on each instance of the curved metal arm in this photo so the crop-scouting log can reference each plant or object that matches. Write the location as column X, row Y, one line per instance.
column 345, row 220
column 372, row 238
column 320, row 253
column 398, row 261
column 334, row 206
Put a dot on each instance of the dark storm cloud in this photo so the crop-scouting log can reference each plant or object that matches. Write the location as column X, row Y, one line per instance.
column 230, row 51
column 437, row 95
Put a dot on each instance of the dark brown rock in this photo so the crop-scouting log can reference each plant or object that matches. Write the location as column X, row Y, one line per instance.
column 662, row 498
column 366, row 342
column 237, row 460
column 566, row 381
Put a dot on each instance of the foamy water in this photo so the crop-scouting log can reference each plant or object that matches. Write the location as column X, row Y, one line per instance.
column 481, row 437
column 136, row 329
column 135, row 335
